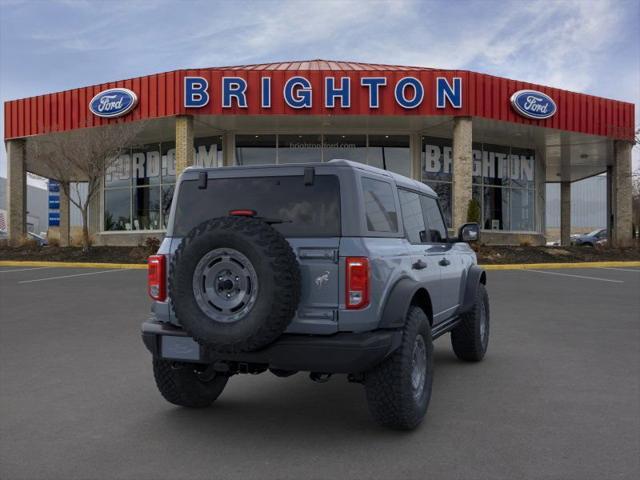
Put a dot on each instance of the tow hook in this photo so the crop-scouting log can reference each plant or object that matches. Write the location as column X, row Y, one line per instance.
column 319, row 377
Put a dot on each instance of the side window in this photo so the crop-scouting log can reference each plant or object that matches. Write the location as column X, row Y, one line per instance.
column 412, row 216
column 380, row 207
column 436, row 230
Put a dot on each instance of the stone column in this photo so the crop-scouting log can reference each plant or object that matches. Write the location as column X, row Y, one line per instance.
column 228, row 149
column 462, row 169
column 16, row 191
column 65, row 216
column 565, row 213
column 621, row 184
column 184, row 143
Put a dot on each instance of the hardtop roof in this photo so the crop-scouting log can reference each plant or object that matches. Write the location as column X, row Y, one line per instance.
column 400, row 180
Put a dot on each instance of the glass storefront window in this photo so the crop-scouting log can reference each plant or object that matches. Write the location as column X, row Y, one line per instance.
column 521, row 211
column 496, row 205
column 208, row 151
column 503, row 182
column 255, row 149
column 145, row 165
column 495, row 165
column 347, row 147
column 146, row 208
column 522, row 167
column 390, row 152
column 168, row 162
column 437, row 164
column 118, row 174
column 299, row 148
column 117, row 209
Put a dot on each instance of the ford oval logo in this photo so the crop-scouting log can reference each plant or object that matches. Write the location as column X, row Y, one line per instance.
column 533, row 104
column 114, row 102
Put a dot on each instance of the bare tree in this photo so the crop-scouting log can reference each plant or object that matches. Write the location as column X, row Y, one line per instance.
column 82, row 156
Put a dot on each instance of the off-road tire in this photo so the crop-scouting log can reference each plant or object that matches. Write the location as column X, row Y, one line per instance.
column 179, row 384
column 467, row 340
column 388, row 386
column 278, row 289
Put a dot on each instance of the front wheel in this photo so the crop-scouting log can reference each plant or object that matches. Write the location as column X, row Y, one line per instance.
column 181, row 384
column 470, row 338
column 399, row 389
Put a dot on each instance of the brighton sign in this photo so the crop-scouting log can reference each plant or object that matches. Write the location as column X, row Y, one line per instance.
column 298, row 93
column 533, row 104
column 113, row 103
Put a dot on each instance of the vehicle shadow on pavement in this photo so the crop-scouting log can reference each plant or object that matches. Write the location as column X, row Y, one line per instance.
column 279, row 408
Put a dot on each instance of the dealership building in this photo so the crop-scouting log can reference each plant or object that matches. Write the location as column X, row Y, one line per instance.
column 474, row 138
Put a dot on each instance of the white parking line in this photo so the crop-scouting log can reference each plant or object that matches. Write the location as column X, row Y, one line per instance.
column 70, row 276
column 637, row 270
column 23, row 269
column 576, row 276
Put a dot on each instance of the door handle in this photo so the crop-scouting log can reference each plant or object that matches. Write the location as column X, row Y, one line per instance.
column 444, row 262
column 419, row 265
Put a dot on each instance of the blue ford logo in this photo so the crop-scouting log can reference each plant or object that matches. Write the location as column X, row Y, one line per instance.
column 533, row 104
column 114, row 102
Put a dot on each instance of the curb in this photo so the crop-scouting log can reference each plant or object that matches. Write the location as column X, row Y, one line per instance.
column 28, row 263
column 530, row 266
column 143, row 266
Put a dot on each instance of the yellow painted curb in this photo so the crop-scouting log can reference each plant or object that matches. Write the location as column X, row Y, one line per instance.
column 529, row 266
column 28, row 263
column 142, row 266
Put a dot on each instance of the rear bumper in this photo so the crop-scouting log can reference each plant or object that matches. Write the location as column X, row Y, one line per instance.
column 338, row 353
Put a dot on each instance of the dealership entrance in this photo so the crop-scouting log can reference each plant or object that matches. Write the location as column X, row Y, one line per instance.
column 473, row 138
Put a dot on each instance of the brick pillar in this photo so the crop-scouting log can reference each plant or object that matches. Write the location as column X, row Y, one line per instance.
column 621, row 185
column 16, row 191
column 65, row 216
column 184, row 143
column 565, row 213
column 462, row 169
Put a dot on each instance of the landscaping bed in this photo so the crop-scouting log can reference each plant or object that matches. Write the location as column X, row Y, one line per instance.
column 500, row 255
column 487, row 255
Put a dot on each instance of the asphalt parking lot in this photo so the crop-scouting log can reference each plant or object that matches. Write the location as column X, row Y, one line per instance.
column 558, row 395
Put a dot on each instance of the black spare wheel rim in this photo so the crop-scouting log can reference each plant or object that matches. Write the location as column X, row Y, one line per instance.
column 225, row 285
column 234, row 284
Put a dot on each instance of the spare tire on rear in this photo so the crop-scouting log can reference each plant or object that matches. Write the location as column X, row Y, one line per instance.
column 234, row 284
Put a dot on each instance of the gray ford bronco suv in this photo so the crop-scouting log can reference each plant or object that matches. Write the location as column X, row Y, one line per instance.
column 329, row 268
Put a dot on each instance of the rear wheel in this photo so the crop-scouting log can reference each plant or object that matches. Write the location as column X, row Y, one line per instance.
column 399, row 389
column 470, row 338
column 181, row 384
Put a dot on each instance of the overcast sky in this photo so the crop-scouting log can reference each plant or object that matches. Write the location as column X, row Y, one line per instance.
column 581, row 45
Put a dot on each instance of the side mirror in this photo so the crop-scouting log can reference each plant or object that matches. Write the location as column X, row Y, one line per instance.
column 469, row 232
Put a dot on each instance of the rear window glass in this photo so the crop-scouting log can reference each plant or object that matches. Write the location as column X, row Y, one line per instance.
column 380, row 206
column 305, row 210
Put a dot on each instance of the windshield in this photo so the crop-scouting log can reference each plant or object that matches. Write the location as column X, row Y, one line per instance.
column 298, row 210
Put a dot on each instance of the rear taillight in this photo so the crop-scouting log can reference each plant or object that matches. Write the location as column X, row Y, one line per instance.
column 156, row 277
column 357, row 294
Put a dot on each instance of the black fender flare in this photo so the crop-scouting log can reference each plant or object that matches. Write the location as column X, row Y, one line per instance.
column 475, row 276
column 398, row 301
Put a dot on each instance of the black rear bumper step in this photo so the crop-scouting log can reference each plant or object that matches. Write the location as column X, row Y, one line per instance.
column 338, row 353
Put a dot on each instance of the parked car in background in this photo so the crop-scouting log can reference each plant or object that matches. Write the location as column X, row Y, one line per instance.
column 591, row 239
column 39, row 239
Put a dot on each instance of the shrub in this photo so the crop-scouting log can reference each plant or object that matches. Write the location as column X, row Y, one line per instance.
column 152, row 244
column 474, row 215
